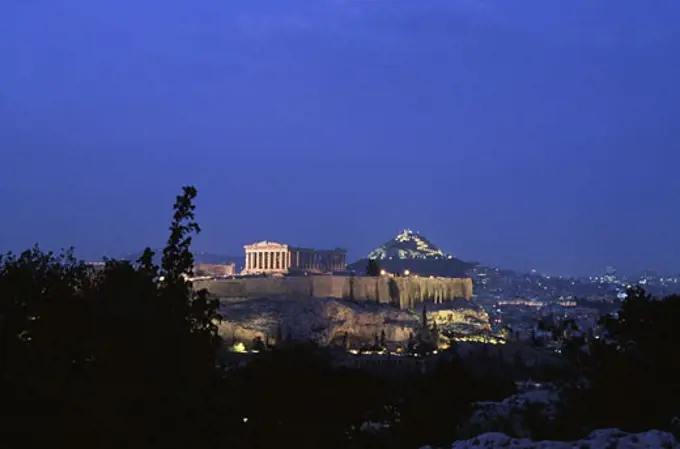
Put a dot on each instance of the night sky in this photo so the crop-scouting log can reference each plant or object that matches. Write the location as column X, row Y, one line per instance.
column 522, row 134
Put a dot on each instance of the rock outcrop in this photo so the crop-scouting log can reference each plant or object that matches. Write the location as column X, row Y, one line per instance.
column 320, row 320
column 512, row 414
column 328, row 320
column 599, row 439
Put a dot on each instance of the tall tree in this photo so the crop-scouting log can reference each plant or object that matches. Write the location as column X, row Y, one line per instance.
column 109, row 357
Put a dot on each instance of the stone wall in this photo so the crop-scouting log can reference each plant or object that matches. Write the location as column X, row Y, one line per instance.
column 402, row 292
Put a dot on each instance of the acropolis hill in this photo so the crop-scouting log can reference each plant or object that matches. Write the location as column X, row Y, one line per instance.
column 332, row 279
column 314, row 296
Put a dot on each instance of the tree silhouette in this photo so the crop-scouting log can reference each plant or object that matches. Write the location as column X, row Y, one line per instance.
column 280, row 392
column 411, row 343
column 279, row 335
column 351, row 287
column 373, row 268
column 633, row 364
column 423, row 318
column 108, row 357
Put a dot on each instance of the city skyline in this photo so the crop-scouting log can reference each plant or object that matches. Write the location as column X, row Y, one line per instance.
column 520, row 135
column 216, row 253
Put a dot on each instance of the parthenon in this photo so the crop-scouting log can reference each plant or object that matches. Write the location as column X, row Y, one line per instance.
column 276, row 258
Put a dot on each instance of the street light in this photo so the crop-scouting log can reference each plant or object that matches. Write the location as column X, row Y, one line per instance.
column 406, row 272
column 383, row 272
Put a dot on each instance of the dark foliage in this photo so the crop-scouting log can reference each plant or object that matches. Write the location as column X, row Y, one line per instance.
column 111, row 359
column 298, row 397
column 629, row 378
column 295, row 397
column 434, row 403
column 373, row 268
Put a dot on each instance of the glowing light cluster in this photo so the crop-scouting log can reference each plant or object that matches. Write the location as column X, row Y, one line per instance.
column 239, row 347
column 408, row 245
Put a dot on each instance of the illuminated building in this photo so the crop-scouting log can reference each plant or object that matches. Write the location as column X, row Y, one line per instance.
column 275, row 258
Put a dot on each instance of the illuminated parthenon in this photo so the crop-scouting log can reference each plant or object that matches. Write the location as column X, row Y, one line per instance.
column 276, row 258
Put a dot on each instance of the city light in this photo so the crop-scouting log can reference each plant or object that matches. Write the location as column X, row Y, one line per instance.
column 383, row 272
column 406, row 272
column 239, row 347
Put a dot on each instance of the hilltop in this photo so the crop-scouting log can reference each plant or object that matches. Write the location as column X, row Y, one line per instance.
column 411, row 251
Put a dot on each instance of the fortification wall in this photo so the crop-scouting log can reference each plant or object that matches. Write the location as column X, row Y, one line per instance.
column 402, row 292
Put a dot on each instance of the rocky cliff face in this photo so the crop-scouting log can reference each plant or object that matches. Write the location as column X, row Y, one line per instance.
column 465, row 321
column 326, row 320
column 319, row 320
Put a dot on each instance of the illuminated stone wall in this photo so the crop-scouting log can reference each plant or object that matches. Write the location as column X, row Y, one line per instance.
column 402, row 292
column 205, row 269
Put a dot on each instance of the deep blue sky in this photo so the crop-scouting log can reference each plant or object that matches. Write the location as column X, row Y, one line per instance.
column 525, row 133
